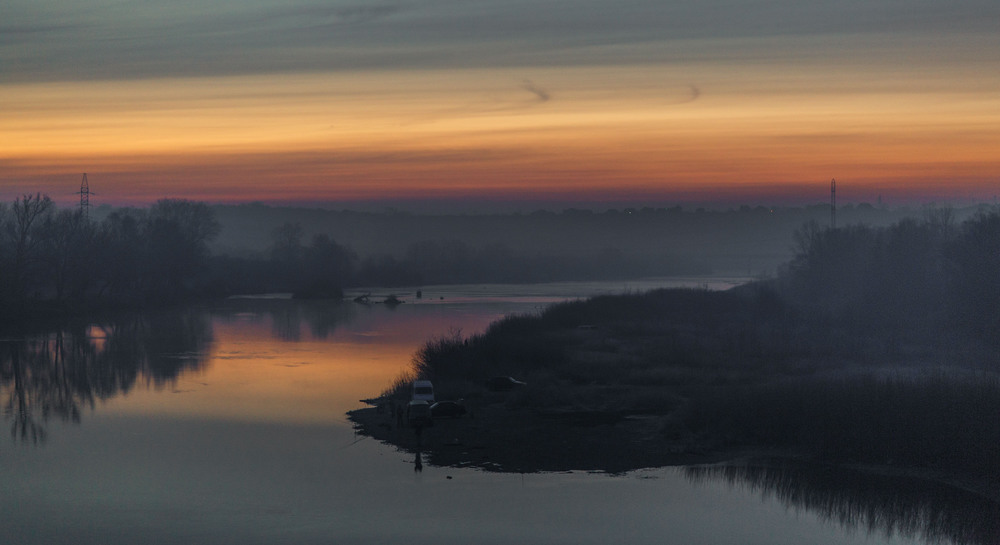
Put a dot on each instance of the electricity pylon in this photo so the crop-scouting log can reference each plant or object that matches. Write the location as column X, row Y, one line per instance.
column 833, row 202
column 85, row 197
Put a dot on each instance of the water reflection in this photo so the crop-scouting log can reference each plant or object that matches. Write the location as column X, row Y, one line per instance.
column 58, row 374
column 885, row 504
column 287, row 317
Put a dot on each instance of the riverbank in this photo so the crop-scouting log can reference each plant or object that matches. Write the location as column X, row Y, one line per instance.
column 681, row 377
column 494, row 438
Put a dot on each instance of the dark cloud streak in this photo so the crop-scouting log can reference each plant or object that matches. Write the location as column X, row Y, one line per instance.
column 695, row 94
column 541, row 94
column 313, row 15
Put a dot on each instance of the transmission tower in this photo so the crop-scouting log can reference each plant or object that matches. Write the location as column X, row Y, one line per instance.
column 833, row 202
column 85, row 197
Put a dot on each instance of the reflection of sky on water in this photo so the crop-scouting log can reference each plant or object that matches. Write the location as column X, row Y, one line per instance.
column 301, row 361
column 242, row 438
column 175, row 480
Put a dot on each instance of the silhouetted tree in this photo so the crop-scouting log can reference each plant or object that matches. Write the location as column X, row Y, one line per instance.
column 832, row 267
column 22, row 231
column 328, row 267
column 975, row 259
column 177, row 233
column 121, row 250
column 286, row 256
column 287, row 242
column 70, row 239
column 890, row 276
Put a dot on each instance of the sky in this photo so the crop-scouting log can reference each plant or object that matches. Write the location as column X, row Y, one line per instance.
column 299, row 101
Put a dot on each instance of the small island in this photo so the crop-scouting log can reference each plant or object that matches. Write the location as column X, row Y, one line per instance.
column 874, row 348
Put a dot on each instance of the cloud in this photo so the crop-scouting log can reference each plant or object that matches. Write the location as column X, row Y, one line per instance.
column 6, row 30
column 313, row 15
column 692, row 95
column 57, row 40
column 490, row 106
column 361, row 14
column 541, row 94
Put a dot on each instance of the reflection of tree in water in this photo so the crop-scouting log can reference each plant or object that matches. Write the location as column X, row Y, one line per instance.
column 58, row 374
column 323, row 317
column 287, row 315
column 877, row 503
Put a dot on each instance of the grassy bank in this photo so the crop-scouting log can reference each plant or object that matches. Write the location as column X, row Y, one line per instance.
column 738, row 370
column 873, row 346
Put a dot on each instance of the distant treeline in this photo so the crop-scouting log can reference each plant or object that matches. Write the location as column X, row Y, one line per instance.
column 63, row 261
column 320, row 267
column 53, row 261
column 544, row 244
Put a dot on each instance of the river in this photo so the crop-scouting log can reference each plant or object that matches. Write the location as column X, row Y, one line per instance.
column 225, row 423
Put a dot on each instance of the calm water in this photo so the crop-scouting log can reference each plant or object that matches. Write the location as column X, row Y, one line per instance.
column 227, row 425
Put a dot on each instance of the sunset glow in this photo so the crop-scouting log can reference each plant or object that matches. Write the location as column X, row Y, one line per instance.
column 911, row 113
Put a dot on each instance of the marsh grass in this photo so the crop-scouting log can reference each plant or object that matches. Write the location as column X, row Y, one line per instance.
column 740, row 369
column 399, row 387
column 854, row 353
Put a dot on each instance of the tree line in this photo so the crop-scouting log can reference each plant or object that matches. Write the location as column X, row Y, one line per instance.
column 321, row 267
column 54, row 261
column 918, row 275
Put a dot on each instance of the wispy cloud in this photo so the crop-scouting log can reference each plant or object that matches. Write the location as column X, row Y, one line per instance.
column 312, row 15
column 44, row 40
column 693, row 94
column 8, row 29
column 540, row 94
column 489, row 105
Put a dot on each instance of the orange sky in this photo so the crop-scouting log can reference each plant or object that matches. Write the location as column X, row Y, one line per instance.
column 884, row 114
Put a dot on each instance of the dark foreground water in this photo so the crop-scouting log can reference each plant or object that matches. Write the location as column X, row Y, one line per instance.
column 226, row 424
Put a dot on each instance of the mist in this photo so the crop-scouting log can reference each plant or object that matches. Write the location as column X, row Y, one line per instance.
column 572, row 244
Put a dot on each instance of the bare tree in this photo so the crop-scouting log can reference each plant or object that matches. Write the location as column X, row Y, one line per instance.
column 22, row 232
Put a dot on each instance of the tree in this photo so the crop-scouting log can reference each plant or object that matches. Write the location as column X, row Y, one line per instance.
column 286, row 256
column 24, row 241
column 328, row 266
column 121, row 249
column 287, row 246
column 975, row 260
column 69, row 254
column 177, row 233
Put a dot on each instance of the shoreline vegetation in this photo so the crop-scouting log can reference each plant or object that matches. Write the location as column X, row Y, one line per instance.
column 77, row 262
column 873, row 348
